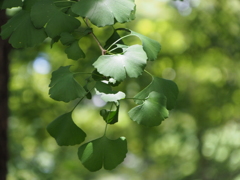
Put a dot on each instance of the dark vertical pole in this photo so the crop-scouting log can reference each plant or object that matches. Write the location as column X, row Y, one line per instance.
column 4, row 75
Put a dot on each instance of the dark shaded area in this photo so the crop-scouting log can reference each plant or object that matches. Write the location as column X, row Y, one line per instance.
column 4, row 76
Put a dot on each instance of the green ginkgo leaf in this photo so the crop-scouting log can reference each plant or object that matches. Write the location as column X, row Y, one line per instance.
column 65, row 131
column 103, row 152
column 74, row 51
column 150, row 46
column 10, row 3
column 105, row 12
column 21, row 32
column 151, row 112
column 109, row 116
column 45, row 14
column 163, row 86
column 64, row 87
column 131, row 63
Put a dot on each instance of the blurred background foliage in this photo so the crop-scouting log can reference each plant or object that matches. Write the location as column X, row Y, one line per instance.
column 201, row 139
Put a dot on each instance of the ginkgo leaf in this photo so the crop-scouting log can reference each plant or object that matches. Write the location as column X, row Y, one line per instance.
column 74, row 51
column 65, row 131
column 131, row 63
column 109, row 116
column 151, row 112
column 45, row 13
column 163, row 86
column 10, row 3
column 150, row 46
column 105, row 12
column 21, row 31
column 103, row 152
column 64, row 87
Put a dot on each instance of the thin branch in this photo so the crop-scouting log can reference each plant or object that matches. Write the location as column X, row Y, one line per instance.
column 95, row 38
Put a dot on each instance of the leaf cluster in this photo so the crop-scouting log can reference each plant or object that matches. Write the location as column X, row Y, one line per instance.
column 60, row 21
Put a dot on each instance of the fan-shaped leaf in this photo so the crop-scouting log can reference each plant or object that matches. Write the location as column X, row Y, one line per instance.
column 46, row 13
column 132, row 63
column 64, row 87
column 152, row 112
column 74, row 51
column 65, row 131
column 163, row 86
column 150, row 46
column 103, row 152
column 21, row 31
column 105, row 12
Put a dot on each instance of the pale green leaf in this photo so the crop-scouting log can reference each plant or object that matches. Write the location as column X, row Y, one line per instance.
column 131, row 63
column 163, row 86
column 103, row 152
column 151, row 112
column 105, row 12
column 65, row 131
column 64, row 87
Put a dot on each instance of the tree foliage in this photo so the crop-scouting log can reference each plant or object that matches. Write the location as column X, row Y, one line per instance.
column 68, row 22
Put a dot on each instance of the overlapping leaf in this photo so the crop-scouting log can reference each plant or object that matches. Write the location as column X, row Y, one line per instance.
column 73, row 50
column 10, row 3
column 45, row 13
column 110, row 116
column 103, row 152
column 150, row 46
column 65, row 131
column 64, row 87
column 21, row 31
column 105, row 12
column 131, row 63
column 151, row 112
column 163, row 86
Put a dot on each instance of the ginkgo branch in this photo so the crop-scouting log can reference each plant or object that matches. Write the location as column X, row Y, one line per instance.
column 95, row 38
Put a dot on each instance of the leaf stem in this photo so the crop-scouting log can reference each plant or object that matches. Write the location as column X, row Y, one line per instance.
column 105, row 130
column 149, row 73
column 118, row 41
column 136, row 99
column 95, row 38
column 82, row 99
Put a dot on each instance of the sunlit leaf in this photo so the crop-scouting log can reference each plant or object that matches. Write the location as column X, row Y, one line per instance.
column 151, row 112
column 64, row 87
column 163, row 86
column 21, row 32
column 65, row 131
column 103, row 152
column 10, row 3
column 105, row 12
column 110, row 116
column 45, row 13
column 131, row 63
